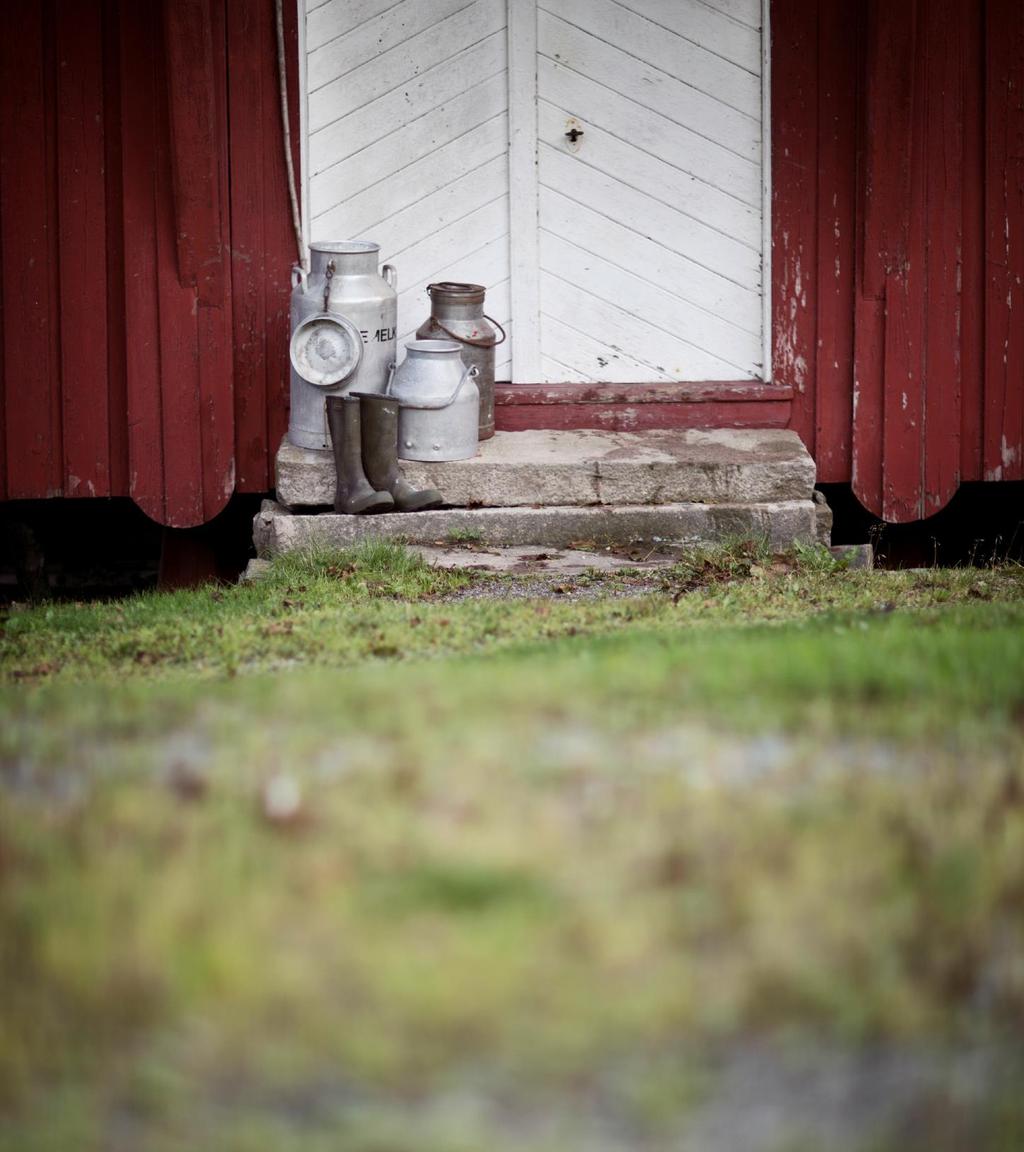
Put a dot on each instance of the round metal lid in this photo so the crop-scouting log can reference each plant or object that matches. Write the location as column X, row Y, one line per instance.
column 326, row 349
column 454, row 292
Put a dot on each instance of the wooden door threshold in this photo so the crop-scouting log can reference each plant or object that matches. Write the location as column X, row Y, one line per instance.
column 634, row 407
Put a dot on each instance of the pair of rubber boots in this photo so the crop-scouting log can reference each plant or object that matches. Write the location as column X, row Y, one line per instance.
column 364, row 432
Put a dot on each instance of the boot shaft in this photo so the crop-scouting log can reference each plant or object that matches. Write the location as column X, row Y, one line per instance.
column 354, row 493
column 336, row 421
column 379, row 420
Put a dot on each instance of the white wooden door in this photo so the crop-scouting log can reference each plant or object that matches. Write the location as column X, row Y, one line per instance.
column 634, row 253
column 406, row 131
column 649, row 223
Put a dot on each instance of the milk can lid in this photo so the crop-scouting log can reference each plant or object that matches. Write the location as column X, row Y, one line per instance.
column 326, row 349
column 457, row 293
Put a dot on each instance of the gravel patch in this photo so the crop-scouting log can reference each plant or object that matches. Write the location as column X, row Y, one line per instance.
column 550, row 586
column 530, row 573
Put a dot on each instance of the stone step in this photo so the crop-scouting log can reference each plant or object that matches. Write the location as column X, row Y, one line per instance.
column 276, row 529
column 586, row 467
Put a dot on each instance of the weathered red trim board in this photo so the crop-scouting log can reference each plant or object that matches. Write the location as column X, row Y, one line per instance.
column 634, row 407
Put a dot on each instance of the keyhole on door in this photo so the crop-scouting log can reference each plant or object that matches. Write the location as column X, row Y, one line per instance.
column 574, row 134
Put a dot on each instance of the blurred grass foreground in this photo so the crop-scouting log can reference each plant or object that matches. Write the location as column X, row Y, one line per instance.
column 373, row 857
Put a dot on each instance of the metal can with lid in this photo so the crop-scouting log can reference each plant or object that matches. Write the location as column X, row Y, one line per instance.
column 457, row 313
column 344, row 324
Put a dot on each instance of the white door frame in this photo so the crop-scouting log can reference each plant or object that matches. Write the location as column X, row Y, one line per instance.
column 524, row 250
column 766, row 190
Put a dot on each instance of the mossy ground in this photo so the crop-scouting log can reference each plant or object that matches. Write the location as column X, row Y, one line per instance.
column 382, row 603
column 549, row 860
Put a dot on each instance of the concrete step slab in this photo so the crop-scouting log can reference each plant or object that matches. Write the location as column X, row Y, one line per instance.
column 277, row 530
column 589, row 467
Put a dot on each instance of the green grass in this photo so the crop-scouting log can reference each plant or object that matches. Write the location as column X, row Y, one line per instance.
column 380, row 602
column 550, row 856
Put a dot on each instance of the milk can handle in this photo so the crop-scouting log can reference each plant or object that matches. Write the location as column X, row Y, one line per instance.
column 471, row 373
column 390, row 275
column 391, row 377
column 328, row 277
column 298, row 276
column 473, row 343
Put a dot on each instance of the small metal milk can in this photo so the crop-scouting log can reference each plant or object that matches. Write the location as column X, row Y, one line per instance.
column 344, row 324
column 439, row 402
column 457, row 312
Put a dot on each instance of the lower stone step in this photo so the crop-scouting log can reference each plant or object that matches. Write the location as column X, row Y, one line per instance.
column 278, row 530
column 517, row 469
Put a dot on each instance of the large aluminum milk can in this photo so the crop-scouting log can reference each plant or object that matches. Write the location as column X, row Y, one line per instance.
column 439, row 403
column 457, row 313
column 344, row 323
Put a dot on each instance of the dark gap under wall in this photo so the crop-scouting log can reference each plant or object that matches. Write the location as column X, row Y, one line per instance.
column 982, row 524
column 88, row 549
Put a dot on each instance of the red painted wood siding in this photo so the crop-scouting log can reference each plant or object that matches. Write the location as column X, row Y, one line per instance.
column 262, row 241
column 898, row 242
column 145, row 248
column 28, row 197
column 178, row 308
column 1003, row 424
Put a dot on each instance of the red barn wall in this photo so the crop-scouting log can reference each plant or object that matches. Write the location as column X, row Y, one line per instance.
column 145, row 248
column 898, row 242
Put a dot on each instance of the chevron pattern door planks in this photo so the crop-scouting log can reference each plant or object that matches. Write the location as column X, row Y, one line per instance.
column 650, row 223
column 407, row 120
column 632, row 253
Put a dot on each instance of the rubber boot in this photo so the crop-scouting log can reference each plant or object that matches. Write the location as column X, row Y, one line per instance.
column 379, row 419
column 354, row 493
